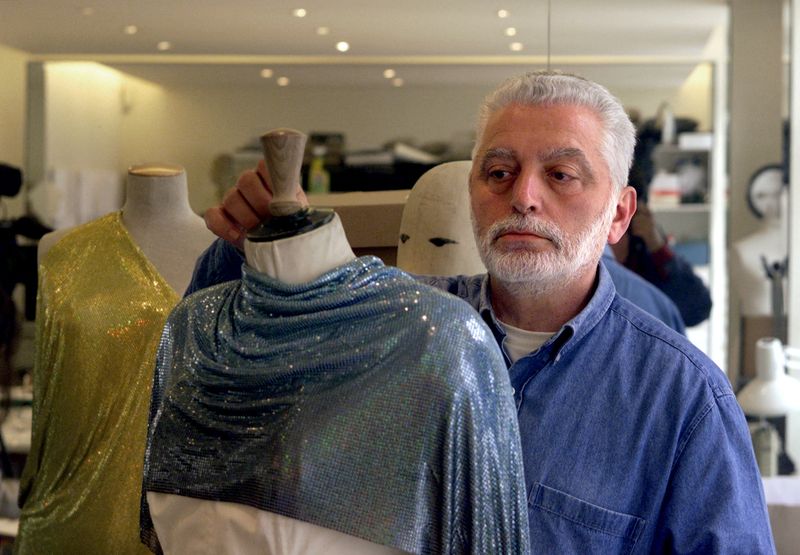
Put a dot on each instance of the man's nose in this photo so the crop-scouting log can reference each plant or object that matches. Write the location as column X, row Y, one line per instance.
column 526, row 194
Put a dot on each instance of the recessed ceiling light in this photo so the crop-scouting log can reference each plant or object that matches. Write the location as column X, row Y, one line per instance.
column 282, row 81
column 397, row 82
column 323, row 30
column 389, row 73
column 131, row 29
column 87, row 11
column 342, row 46
column 164, row 45
column 515, row 46
column 502, row 14
column 299, row 12
column 266, row 73
column 510, row 31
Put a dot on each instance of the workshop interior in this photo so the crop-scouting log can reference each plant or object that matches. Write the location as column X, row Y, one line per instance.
column 372, row 96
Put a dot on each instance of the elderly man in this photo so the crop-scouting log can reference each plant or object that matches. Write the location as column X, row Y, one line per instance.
column 632, row 439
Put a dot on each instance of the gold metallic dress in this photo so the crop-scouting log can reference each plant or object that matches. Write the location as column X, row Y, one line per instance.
column 101, row 309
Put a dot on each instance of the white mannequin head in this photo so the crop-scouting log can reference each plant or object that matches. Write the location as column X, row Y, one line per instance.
column 436, row 235
column 764, row 193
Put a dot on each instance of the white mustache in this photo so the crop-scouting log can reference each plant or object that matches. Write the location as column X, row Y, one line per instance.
column 526, row 224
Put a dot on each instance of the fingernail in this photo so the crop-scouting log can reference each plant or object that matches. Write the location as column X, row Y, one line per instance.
column 233, row 235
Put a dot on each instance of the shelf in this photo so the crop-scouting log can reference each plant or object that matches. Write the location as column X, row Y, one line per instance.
column 689, row 208
column 684, row 222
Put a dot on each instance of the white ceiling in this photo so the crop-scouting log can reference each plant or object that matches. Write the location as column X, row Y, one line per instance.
column 453, row 41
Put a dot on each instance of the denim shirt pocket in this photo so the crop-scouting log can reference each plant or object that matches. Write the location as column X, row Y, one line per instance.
column 562, row 523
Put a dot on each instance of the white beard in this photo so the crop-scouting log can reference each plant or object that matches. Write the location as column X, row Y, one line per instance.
column 543, row 272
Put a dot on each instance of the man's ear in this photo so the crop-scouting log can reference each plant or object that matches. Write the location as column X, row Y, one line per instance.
column 626, row 207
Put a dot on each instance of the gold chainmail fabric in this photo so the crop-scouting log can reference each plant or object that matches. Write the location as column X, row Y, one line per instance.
column 101, row 308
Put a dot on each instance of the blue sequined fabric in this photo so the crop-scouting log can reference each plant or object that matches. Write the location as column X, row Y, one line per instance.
column 364, row 402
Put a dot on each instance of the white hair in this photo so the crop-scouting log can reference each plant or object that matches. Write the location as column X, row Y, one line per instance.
column 552, row 88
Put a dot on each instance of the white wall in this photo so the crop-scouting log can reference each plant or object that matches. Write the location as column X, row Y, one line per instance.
column 12, row 115
column 83, row 116
column 756, row 93
column 694, row 99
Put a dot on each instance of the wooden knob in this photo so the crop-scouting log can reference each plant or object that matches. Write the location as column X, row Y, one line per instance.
column 283, row 153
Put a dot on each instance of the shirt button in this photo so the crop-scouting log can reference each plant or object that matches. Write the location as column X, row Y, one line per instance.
column 513, row 391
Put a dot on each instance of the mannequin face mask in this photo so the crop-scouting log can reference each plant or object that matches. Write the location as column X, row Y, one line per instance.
column 764, row 193
column 435, row 233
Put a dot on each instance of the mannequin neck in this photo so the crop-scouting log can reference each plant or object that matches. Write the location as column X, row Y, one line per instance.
column 771, row 223
column 301, row 258
column 160, row 221
column 155, row 193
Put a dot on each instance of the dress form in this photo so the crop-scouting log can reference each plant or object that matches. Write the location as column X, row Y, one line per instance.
column 82, row 480
column 323, row 453
column 211, row 526
column 436, row 235
column 749, row 280
column 297, row 244
column 196, row 525
column 752, row 312
column 106, row 288
column 159, row 219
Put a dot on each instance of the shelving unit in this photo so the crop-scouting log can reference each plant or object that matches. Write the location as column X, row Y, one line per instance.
column 694, row 228
column 684, row 222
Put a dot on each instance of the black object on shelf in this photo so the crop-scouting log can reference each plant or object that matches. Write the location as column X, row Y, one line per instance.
column 400, row 175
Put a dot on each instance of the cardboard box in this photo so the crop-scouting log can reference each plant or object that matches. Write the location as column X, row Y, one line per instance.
column 371, row 220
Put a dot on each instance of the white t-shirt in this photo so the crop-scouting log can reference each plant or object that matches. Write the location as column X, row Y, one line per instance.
column 519, row 342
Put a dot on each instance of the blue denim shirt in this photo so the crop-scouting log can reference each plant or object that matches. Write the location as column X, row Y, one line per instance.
column 642, row 293
column 632, row 439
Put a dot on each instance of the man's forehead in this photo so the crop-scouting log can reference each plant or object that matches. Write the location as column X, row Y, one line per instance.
column 543, row 119
column 548, row 132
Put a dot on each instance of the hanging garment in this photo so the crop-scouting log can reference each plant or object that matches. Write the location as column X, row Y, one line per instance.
column 70, row 197
column 101, row 309
column 363, row 402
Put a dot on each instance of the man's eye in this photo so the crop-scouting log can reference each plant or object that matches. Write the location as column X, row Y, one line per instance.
column 561, row 176
column 499, row 174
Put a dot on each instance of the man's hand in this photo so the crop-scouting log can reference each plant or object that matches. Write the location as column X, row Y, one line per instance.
column 244, row 206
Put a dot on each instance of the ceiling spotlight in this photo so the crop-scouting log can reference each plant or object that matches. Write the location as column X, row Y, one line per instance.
column 510, row 31
column 323, row 30
column 131, row 29
column 87, row 11
column 266, row 73
column 299, row 12
column 282, row 81
column 164, row 45
column 397, row 82
column 502, row 14
column 389, row 73
column 515, row 46
column 342, row 46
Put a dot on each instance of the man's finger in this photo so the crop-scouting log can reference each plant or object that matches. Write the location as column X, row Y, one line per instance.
column 255, row 193
column 218, row 222
column 239, row 210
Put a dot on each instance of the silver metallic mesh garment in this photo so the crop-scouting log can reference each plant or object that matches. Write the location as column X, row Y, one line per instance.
column 363, row 402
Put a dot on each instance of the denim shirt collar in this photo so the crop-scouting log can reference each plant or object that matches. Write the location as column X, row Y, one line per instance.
column 573, row 330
